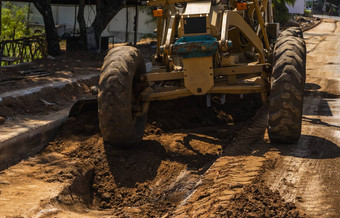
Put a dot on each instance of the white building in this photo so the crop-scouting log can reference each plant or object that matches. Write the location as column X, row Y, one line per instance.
column 297, row 8
column 66, row 20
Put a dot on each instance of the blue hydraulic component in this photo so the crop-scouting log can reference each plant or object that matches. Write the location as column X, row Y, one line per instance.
column 195, row 46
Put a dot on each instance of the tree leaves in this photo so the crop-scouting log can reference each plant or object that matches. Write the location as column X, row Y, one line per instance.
column 14, row 22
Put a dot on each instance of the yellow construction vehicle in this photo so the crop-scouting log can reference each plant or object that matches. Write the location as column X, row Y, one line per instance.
column 206, row 47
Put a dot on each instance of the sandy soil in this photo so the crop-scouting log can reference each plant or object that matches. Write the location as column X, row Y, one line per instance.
column 195, row 161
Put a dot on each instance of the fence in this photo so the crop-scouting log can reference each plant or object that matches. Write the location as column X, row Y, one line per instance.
column 22, row 50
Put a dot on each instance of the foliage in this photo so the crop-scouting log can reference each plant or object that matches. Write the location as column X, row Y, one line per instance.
column 281, row 13
column 308, row 13
column 334, row 2
column 14, row 22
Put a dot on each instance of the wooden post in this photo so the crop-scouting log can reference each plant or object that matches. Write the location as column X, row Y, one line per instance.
column 136, row 25
column 75, row 20
column 127, row 24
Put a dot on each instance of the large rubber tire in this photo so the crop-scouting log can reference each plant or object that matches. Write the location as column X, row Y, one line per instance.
column 292, row 31
column 287, row 89
column 119, row 86
column 294, row 49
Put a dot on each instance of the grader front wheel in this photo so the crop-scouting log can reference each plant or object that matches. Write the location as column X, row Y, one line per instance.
column 119, row 85
column 287, row 87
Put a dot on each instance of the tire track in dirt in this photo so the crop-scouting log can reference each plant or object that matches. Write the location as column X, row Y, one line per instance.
column 234, row 169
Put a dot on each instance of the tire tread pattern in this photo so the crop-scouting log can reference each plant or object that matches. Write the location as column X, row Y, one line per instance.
column 288, row 79
column 121, row 69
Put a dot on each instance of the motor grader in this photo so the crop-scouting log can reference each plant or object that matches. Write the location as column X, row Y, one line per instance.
column 206, row 47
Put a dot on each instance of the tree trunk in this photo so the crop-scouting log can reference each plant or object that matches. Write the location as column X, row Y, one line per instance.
column 82, row 23
column 44, row 7
column 106, row 10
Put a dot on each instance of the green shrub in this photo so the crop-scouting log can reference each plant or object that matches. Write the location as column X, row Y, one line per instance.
column 14, row 22
column 307, row 13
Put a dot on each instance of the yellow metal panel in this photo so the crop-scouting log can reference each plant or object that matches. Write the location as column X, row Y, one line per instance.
column 164, row 76
column 239, row 70
column 159, row 35
column 198, row 74
column 263, row 28
column 165, row 94
column 233, row 19
column 170, row 34
column 240, row 88
column 199, row 7
column 231, row 60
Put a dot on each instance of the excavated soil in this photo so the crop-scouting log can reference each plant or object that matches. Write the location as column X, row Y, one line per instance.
column 46, row 86
column 257, row 200
column 146, row 178
column 47, row 100
column 67, row 65
column 154, row 179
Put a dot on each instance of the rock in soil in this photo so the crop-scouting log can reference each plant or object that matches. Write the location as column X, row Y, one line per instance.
column 2, row 120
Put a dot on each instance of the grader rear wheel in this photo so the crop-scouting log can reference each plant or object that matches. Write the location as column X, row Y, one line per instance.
column 292, row 38
column 119, row 111
column 287, row 87
column 292, row 31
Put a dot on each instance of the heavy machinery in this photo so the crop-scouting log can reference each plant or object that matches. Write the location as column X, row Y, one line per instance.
column 206, row 47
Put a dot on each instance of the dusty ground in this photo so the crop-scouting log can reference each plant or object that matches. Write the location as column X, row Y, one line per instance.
column 214, row 161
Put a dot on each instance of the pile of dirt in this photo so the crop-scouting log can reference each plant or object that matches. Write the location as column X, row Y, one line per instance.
column 47, row 100
column 307, row 22
column 46, row 73
column 66, row 61
column 153, row 178
column 130, row 181
column 257, row 200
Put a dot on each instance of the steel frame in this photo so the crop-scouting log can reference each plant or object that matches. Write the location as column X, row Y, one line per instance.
column 235, row 74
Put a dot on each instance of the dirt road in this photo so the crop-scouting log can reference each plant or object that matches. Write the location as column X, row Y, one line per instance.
column 219, row 164
column 307, row 173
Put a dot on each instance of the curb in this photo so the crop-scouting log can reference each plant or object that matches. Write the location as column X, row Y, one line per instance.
column 28, row 143
column 20, row 141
